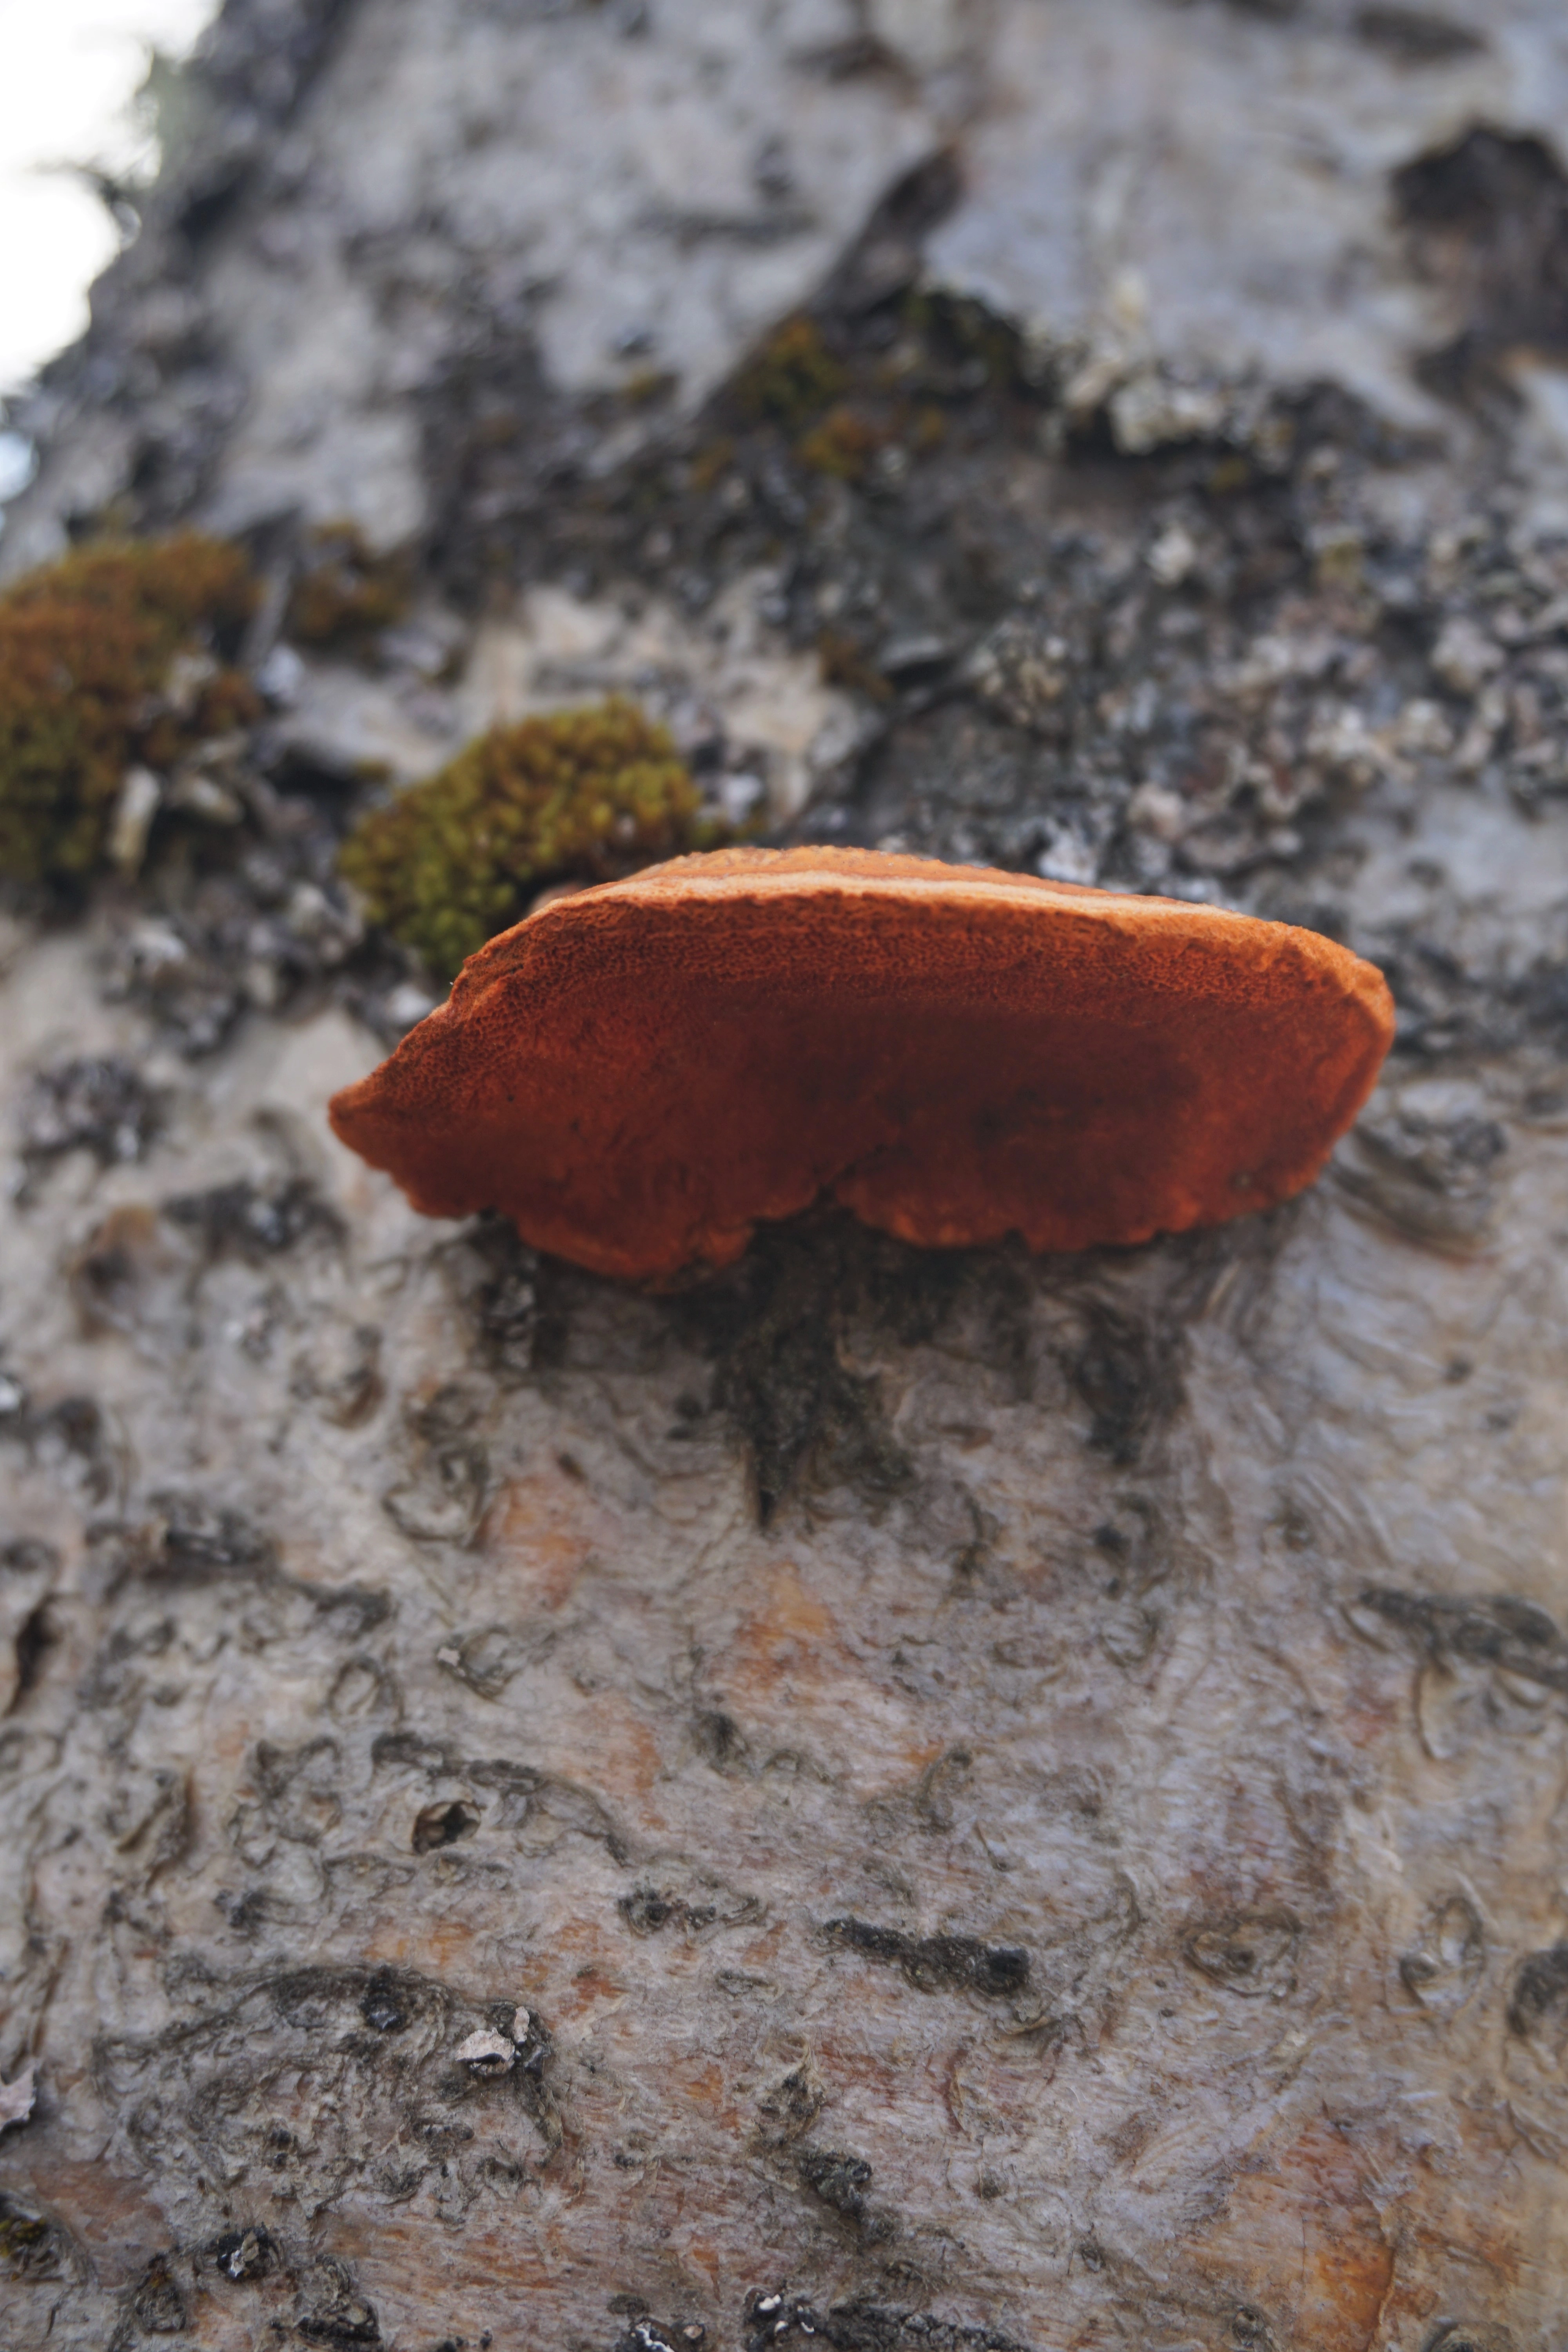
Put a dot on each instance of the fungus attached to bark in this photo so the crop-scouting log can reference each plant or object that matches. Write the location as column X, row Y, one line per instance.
column 638, row 1075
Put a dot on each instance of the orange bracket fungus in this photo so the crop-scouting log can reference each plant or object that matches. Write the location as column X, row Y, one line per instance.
column 638, row 1075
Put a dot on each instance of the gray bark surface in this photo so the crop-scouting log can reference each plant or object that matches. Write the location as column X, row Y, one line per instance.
column 914, row 1800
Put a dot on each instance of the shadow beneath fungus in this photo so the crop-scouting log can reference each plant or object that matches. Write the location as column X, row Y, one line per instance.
column 797, row 1338
column 782, row 1334
column 783, row 1375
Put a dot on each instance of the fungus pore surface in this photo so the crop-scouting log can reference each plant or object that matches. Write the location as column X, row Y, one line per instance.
column 638, row 1075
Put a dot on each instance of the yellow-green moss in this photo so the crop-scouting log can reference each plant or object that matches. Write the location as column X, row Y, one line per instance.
column 843, row 445
column 792, row 378
column 344, row 592
column 582, row 794
column 711, row 463
column 85, row 646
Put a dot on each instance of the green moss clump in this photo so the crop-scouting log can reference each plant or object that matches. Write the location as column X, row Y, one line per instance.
column 792, row 378
column 344, row 593
column 587, row 795
column 86, row 646
column 843, row 445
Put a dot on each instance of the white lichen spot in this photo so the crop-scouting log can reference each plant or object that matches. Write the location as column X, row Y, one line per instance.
column 486, row 2051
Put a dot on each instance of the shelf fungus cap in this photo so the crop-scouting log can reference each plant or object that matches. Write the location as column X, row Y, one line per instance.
column 640, row 1073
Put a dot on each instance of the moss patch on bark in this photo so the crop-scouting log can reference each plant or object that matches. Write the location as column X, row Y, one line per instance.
column 582, row 794
column 90, row 684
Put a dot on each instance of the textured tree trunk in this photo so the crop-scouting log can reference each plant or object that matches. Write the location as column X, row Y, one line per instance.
column 920, row 1800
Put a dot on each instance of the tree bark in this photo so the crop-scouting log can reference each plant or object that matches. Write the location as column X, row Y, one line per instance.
column 918, row 1799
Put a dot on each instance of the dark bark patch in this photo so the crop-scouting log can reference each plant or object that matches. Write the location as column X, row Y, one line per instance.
column 243, row 2256
column 840, row 2181
column 191, row 1542
column 937, row 1963
column 647, row 1910
column 377, row 2050
column 1129, row 1372
column 157, row 2305
column 646, row 2334
column 1431, row 1179
column 71, row 1435
column 508, row 1307
column 97, row 1103
column 488, row 1658
column 1415, row 36
column 1486, row 218
column 720, row 1741
column 336, row 2311
column 203, row 1543
column 296, row 1785
column 441, row 1825
column 1466, row 2337
column 384, row 2004
column 783, row 1331
column 1251, row 1952
column 443, row 1499
column 30, row 2247
column 254, row 1221
column 252, row 75
column 344, row 1379
column 885, row 260
column 1501, row 1631
column 800, row 1412
column 792, row 2104
column 1538, row 2001
column 773, row 2319
column 786, row 1325
column 1442, row 1970
column 529, row 1803
column 35, row 1638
